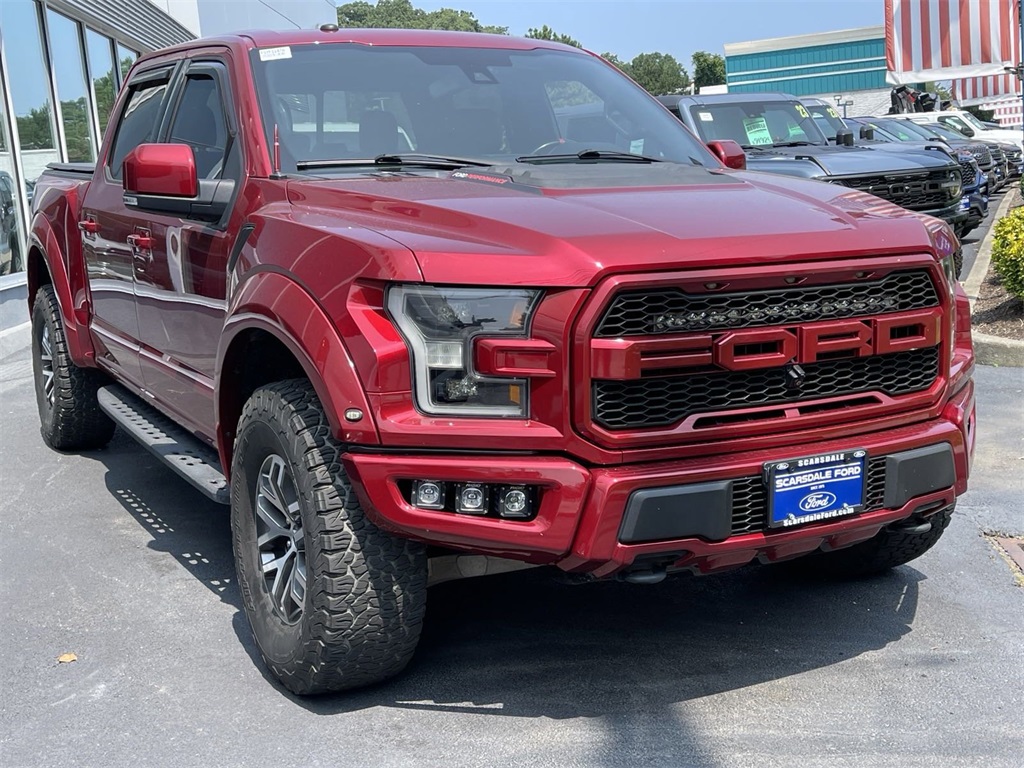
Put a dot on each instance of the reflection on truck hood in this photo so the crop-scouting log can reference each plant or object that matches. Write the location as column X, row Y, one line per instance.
column 539, row 225
column 851, row 161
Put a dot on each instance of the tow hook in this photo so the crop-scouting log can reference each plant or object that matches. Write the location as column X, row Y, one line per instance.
column 912, row 526
column 652, row 576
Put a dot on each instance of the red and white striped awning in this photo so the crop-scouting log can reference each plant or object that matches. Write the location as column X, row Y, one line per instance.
column 978, row 90
column 1007, row 112
column 949, row 39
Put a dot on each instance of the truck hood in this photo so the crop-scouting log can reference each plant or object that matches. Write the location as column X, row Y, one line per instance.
column 572, row 225
column 850, row 161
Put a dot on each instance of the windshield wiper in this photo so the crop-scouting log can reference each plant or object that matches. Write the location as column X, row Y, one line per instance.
column 795, row 144
column 411, row 160
column 588, row 156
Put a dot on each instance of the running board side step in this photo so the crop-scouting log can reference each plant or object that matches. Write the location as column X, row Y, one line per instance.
column 172, row 444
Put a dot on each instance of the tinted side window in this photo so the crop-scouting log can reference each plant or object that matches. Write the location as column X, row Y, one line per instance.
column 199, row 122
column 138, row 122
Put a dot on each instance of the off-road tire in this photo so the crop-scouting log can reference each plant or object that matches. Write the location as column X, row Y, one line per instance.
column 889, row 548
column 69, row 414
column 364, row 590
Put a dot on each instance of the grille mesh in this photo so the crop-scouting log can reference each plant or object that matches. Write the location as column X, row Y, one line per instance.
column 915, row 193
column 663, row 401
column 670, row 310
column 750, row 498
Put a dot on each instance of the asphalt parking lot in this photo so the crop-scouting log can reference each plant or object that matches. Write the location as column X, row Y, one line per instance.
column 109, row 556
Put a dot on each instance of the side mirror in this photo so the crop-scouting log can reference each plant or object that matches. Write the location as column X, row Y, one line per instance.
column 867, row 133
column 730, row 153
column 164, row 170
column 844, row 138
column 162, row 178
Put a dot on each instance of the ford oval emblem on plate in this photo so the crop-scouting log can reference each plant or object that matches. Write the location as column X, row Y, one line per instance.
column 814, row 502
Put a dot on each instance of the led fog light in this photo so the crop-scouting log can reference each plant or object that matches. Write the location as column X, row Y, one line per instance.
column 427, row 494
column 513, row 501
column 471, row 499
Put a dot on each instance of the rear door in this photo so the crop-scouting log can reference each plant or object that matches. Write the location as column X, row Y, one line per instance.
column 108, row 227
column 181, row 280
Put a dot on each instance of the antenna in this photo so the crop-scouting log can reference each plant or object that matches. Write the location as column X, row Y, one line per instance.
column 277, row 153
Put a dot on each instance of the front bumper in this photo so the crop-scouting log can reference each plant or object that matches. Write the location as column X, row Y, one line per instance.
column 951, row 214
column 580, row 523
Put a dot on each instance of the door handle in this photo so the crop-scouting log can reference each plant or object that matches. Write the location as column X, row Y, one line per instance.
column 89, row 226
column 141, row 242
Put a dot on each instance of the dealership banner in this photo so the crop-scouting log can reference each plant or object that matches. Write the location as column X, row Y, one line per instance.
column 981, row 90
column 928, row 40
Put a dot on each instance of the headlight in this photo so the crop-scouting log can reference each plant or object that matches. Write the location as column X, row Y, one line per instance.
column 954, row 184
column 439, row 325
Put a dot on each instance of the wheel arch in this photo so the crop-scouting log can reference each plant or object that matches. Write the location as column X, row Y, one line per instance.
column 46, row 264
column 277, row 331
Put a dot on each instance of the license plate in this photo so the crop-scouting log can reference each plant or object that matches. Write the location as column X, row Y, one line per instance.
column 815, row 488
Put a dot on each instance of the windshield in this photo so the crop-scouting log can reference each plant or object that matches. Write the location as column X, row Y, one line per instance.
column 827, row 119
column 972, row 121
column 881, row 133
column 906, row 130
column 348, row 101
column 754, row 124
column 945, row 131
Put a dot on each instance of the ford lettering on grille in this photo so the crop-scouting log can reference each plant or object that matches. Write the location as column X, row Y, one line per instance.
column 755, row 348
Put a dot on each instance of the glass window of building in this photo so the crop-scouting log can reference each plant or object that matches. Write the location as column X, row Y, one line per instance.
column 30, row 90
column 101, row 69
column 125, row 58
column 72, row 87
column 10, row 211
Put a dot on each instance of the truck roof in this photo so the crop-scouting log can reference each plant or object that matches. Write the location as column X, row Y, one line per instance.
column 265, row 38
column 726, row 98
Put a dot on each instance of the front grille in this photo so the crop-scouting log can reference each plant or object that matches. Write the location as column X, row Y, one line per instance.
column 750, row 498
column 982, row 155
column 997, row 155
column 916, row 192
column 967, row 174
column 670, row 310
column 666, row 400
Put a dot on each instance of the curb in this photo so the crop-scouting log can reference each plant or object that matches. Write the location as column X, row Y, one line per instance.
column 991, row 350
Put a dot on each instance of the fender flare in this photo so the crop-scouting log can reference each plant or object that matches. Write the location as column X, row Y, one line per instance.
column 280, row 306
column 43, row 239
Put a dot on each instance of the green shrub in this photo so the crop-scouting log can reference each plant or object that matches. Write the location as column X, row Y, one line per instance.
column 1008, row 251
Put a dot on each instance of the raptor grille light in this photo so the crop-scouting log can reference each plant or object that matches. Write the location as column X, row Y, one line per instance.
column 440, row 324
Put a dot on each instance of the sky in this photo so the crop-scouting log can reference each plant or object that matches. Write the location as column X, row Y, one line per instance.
column 678, row 27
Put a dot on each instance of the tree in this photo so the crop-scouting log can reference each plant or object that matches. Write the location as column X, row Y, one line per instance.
column 402, row 14
column 547, row 33
column 659, row 73
column 708, row 69
column 625, row 66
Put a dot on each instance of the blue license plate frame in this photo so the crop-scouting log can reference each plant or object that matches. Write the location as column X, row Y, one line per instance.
column 815, row 488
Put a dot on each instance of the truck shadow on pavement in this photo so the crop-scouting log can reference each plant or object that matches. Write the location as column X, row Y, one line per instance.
column 526, row 645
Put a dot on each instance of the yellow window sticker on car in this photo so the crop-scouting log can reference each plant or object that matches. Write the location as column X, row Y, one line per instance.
column 832, row 111
column 757, row 131
column 801, row 111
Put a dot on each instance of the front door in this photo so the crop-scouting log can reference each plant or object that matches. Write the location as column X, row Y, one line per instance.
column 181, row 277
column 107, row 228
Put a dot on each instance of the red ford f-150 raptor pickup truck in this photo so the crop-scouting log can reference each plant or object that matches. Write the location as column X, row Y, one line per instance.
column 415, row 316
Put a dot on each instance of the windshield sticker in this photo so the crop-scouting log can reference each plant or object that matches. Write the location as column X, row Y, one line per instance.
column 273, row 54
column 832, row 111
column 707, row 117
column 636, row 146
column 801, row 111
column 757, row 131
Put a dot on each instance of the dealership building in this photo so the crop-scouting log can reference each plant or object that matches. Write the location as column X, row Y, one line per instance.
column 61, row 64
column 845, row 68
